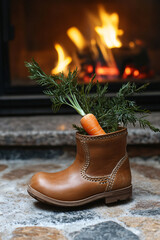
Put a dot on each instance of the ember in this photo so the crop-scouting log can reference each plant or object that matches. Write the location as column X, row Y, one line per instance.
column 103, row 70
column 132, row 72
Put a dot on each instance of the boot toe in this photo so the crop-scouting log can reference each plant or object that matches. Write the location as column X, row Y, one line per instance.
column 37, row 181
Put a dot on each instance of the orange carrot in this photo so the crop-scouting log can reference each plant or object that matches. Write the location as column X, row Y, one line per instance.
column 91, row 126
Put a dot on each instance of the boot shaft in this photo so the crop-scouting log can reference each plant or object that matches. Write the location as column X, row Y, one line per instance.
column 104, row 159
column 101, row 153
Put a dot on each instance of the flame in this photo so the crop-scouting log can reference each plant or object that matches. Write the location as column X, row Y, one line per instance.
column 109, row 31
column 77, row 38
column 63, row 61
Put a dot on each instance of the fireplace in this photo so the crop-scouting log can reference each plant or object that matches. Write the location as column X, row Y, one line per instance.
column 117, row 40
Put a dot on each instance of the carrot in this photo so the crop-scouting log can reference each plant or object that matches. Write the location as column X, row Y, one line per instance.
column 91, row 126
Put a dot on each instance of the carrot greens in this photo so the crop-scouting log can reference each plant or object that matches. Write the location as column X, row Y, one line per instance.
column 60, row 89
column 111, row 112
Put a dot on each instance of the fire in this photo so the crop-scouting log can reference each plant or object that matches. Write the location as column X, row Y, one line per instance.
column 63, row 61
column 77, row 38
column 97, row 53
column 109, row 31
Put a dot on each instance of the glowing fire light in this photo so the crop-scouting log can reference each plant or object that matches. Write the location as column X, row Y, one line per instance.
column 128, row 71
column 111, row 71
column 132, row 72
column 109, row 31
column 61, row 127
column 77, row 38
column 136, row 73
column 63, row 61
column 89, row 68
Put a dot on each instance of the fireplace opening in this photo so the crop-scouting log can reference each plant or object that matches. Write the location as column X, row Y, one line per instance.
column 117, row 40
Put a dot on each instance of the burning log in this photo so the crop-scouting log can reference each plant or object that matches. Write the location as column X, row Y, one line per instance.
column 130, row 63
column 87, row 63
column 136, row 56
column 133, row 62
column 92, row 63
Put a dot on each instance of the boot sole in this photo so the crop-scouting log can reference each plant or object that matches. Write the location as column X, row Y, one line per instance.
column 110, row 197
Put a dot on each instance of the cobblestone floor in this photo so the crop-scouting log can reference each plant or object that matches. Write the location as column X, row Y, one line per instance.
column 22, row 217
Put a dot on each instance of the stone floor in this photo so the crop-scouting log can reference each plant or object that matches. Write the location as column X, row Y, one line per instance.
column 23, row 218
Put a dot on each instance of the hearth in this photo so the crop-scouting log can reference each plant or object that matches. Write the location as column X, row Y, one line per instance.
column 117, row 40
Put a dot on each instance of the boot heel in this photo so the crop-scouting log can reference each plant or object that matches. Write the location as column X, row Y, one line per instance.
column 119, row 195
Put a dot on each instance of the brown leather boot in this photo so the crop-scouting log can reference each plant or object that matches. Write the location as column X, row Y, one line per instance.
column 101, row 170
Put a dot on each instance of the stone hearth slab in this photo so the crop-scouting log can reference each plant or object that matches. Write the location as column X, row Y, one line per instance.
column 57, row 130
